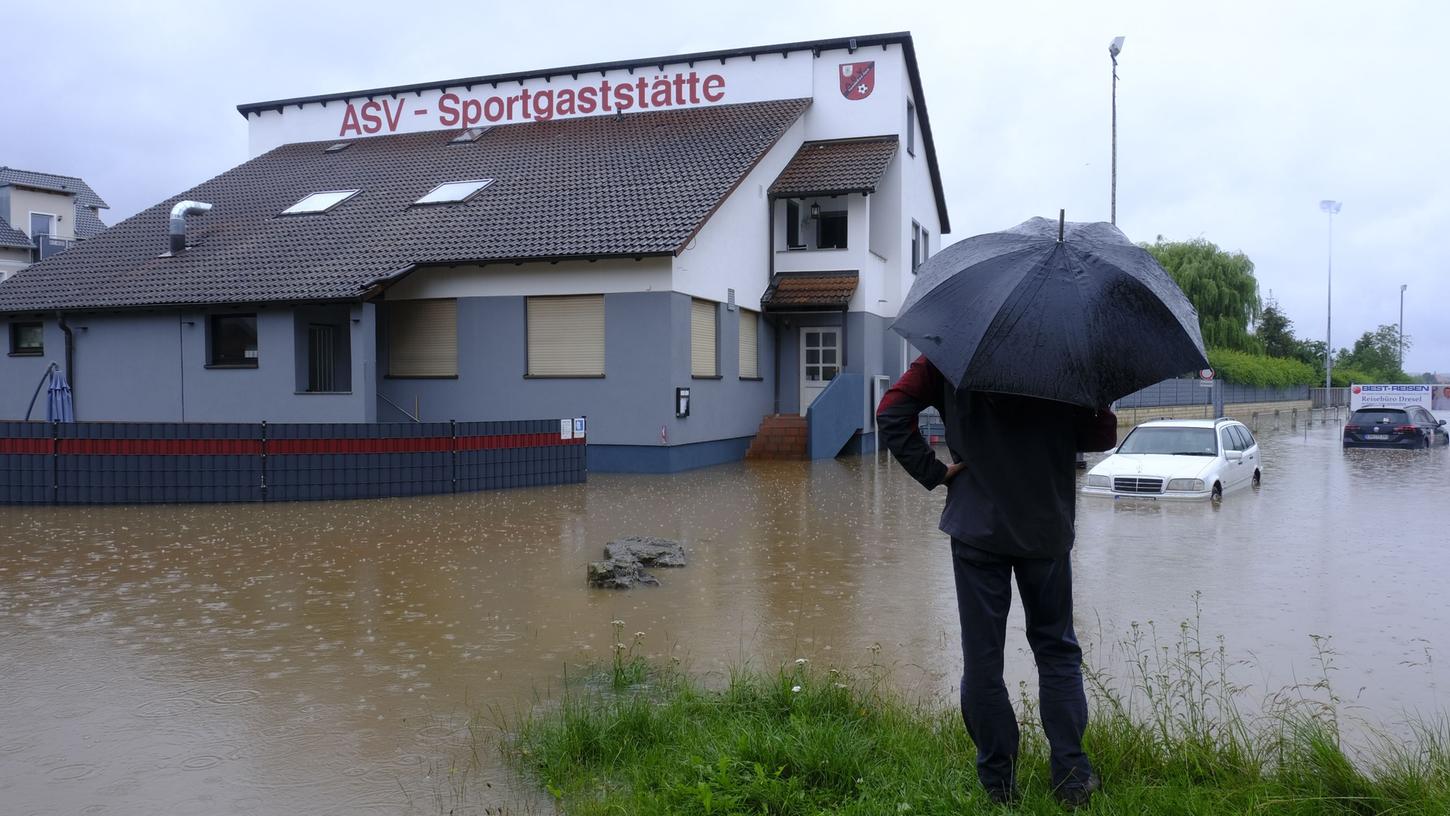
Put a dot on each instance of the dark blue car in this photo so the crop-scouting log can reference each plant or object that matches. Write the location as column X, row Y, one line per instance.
column 1407, row 427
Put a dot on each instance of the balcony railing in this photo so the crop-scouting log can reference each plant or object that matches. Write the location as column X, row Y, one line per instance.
column 46, row 246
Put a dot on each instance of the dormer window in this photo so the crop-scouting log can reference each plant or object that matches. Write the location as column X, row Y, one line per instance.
column 320, row 202
column 454, row 191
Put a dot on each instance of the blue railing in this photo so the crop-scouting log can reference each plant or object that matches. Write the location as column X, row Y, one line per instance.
column 835, row 416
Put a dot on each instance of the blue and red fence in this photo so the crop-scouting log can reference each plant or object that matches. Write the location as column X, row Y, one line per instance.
column 147, row 463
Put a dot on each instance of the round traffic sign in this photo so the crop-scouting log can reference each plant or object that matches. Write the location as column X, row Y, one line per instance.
column 1205, row 374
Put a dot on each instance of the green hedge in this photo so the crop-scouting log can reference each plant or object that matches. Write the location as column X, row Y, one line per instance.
column 1345, row 377
column 1259, row 370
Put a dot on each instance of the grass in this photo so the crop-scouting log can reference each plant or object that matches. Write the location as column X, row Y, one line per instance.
column 642, row 738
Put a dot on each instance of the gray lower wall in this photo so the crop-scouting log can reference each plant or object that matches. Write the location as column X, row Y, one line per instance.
column 151, row 367
column 646, row 356
column 19, row 376
column 871, row 349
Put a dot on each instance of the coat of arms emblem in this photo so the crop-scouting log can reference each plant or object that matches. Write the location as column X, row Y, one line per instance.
column 858, row 79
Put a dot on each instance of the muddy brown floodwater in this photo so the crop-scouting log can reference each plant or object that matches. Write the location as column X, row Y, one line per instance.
column 321, row 658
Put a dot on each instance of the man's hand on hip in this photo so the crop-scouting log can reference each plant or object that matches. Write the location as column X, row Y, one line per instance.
column 953, row 470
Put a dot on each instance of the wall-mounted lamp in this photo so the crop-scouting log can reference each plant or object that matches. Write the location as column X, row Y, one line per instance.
column 815, row 211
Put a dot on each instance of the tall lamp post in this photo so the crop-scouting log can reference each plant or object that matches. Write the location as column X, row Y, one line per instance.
column 1403, row 287
column 1330, row 208
column 1114, row 49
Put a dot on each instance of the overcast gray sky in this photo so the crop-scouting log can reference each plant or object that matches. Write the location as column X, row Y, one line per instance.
column 1235, row 118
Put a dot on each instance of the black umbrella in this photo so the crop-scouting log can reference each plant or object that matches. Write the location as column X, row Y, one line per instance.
column 1069, row 312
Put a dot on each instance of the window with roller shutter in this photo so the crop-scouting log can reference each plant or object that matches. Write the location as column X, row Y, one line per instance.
column 566, row 336
column 749, row 345
column 423, row 338
column 703, row 350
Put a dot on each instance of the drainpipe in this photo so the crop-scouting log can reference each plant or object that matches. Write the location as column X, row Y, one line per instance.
column 70, row 355
column 769, row 279
column 775, row 363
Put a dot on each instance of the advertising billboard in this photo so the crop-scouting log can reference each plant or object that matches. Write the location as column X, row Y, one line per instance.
column 1391, row 395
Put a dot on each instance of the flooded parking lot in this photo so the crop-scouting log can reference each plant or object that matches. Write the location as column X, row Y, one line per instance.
column 320, row 658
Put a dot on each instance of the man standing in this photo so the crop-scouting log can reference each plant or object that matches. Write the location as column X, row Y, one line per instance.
column 1011, row 500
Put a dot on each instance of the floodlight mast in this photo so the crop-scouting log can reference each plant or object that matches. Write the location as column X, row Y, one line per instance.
column 1114, row 49
column 1330, row 208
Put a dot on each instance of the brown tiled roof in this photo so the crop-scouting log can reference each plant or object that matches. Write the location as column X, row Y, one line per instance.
column 809, row 291
column 834, row 167
column 633, row 185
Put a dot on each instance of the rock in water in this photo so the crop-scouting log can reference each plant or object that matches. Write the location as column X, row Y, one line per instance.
column 626, row 558
column 623, row 574
column 647, row 550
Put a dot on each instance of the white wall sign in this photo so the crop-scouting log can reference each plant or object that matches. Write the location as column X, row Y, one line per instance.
column 539, row 99
column 1386, row 396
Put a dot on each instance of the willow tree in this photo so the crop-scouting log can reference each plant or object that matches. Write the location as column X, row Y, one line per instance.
column 1219, row 284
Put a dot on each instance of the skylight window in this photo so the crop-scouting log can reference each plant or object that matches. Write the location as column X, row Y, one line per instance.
column 470, row 135
column 337, row 147
column 454, row 191
column 320, row 202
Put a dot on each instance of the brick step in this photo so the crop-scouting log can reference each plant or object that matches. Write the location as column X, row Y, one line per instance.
column 780, row 436
column 783, row 422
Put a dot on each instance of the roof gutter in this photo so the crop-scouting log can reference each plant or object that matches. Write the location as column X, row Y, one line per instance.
column 914, row 73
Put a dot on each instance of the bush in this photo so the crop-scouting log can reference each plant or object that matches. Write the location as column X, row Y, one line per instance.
column 1259, row 370
column 1345, row 377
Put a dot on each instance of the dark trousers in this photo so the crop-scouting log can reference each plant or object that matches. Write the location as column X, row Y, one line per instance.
column 984, row 596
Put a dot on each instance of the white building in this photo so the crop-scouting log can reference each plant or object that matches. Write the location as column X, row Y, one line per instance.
column 43, row 214
column 676, row 247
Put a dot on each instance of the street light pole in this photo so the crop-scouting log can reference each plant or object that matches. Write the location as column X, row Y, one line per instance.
column 1403, row 287
column 1114, row 49
column 1330, row 208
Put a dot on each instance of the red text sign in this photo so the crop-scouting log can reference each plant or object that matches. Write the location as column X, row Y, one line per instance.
column 606, row 96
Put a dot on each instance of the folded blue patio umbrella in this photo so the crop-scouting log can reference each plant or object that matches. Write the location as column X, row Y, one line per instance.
column 59, row 405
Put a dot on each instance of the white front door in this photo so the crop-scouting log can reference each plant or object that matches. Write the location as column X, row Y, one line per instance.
column 820, row 361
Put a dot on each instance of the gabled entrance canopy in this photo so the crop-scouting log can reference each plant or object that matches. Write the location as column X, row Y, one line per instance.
column 809, row 292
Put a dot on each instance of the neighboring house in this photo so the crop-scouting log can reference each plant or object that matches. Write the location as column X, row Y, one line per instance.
column 584, row 241
column 42, row 214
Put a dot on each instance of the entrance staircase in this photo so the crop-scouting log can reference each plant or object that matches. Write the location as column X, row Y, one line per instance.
column 781, row 436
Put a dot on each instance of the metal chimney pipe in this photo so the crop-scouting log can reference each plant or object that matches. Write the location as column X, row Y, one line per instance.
column 178, row 223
